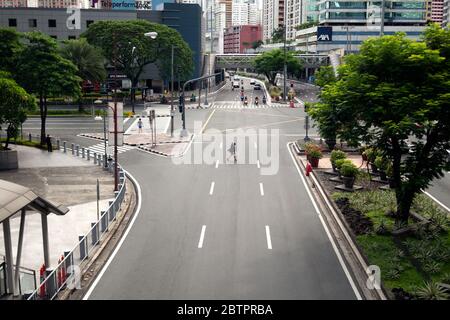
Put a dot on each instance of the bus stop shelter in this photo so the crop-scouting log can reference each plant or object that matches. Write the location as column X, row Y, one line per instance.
column 15, row 199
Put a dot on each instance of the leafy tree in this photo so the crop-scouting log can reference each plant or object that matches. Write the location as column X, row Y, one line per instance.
column 88, row 60
column 117, row 39
column 278, row 35
column 395, row 95
column 272, row 62
column 10, row 47
column 325, row 75
column 257, row 44
column 324, row 112
column 15, row 102
column 43, row 72
column 306, row 25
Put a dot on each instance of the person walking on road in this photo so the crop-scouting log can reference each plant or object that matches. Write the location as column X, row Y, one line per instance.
column 232, row 151
column 140, row 125
column 48, row 141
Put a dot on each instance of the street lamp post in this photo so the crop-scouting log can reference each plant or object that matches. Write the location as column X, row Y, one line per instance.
column 285, row 65
column 171, row 102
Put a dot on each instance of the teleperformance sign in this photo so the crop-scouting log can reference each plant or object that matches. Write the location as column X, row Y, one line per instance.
column 130, row 5
column 123, row 5
column 324, row 34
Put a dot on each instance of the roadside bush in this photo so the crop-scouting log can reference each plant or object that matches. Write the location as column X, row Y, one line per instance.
column 431, row 291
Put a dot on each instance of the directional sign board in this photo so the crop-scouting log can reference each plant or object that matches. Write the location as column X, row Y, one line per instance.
column 119, row 124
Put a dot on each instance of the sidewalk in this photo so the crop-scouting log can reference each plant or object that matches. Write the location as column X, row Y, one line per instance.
column 64, row 179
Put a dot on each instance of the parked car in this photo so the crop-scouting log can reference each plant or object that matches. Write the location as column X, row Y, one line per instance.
column 236, row 83
column 257, row 86
column 252, row 81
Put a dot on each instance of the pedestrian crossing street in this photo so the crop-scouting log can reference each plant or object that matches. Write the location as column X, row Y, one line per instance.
column 240, row 105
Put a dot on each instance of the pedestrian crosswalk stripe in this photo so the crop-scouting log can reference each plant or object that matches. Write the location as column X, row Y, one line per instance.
column 239, row 105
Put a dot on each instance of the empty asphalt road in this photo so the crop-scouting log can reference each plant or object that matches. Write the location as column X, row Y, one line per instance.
column 224, row 230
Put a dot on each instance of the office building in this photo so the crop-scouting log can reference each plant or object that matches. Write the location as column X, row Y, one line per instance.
column 239, row 39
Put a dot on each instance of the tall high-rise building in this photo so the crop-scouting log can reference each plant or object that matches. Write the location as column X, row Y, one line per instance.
column 272, row 17
column 13, row 3
column 446, row 13
column 245, row 12
column 407, row 12
column 435, row 11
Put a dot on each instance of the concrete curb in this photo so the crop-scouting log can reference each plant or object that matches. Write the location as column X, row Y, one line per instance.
column 154, row 151
column 343, row 235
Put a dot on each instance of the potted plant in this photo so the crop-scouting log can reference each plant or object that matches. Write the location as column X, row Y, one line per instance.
column 381, row 164
column 339, row 163
column 371, row 154
column 336, row 155
column 349, row 172
column 314, row 156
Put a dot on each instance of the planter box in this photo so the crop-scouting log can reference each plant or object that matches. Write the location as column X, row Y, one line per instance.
column 9, row 160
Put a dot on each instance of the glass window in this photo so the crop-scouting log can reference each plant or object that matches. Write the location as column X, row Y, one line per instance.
column 12, row 22
column 52, row 23
column 32, row 23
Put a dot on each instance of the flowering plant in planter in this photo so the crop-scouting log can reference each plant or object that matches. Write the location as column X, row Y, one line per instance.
column 313, row 153
column 349, row 172
column 339, row 163
column 336, row 155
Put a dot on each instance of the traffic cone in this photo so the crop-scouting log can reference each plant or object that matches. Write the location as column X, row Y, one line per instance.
column 308, row 169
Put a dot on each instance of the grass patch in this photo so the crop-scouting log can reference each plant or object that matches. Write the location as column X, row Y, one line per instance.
column 410, row 261
column 24, row 143
column 61, row 113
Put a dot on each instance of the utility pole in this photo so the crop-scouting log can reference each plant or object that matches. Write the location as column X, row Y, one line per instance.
column 116, row 171
column 285, row 65
column 171, row 102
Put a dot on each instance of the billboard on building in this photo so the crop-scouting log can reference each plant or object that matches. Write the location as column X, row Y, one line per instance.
column 123, row 5
column 324, row 33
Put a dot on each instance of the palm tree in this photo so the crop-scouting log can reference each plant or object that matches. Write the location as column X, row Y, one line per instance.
column 88, row 59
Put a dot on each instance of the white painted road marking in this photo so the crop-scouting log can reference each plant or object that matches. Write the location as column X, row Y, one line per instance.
column 217, row 164
column 202, row 237
column 437, row 201
column 327, row 231
column 122, row 240
column 269, row 240
column 211, row 190
column 261, row 188
column 256, row 146
column 258, row 164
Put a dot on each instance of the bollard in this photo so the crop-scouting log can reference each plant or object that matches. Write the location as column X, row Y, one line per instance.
column 112, row 212
column 78, row 150
column 94, row 227
column 73, row 149
column 99, row 160
column 50, row 284
column 88, row 154
column 68, row 262
column 95, row 157
column 64, row 147
column 103, row 226
column 82, row 152
column 29, row 137
column 57, row 144
column 83, row 247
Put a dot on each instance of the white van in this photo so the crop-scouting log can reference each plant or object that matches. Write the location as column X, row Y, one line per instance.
column 236, row 83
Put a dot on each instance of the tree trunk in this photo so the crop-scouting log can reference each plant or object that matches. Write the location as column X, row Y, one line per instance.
column 43, row 111
column 404, row 197
column 8, row 137
column 133, row 93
